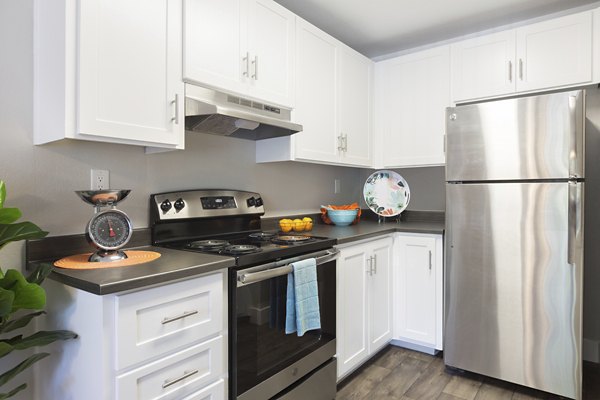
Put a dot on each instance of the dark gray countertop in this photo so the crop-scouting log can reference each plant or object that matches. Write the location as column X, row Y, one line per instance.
column 178, row 264
column 172, row 265
column 366, row 229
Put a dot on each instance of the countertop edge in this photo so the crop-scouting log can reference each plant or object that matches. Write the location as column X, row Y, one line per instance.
column 140, row 282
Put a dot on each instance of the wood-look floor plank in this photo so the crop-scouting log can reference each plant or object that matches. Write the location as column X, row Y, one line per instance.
column 395, row 385
column 358, row 389
column 489, row 391
column 446, row 396
column 430, row 383
column 463, row 387
column 400, row 374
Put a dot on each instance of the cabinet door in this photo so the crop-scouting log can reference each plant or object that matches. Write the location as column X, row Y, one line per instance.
column 130, row 83
column 416, row 294
column 352, row 342
column 555, row 53
column 483, row 66
column 271, row 40
column 415, row 91
column 316, row 94
column 216, row 53
column 354, row 108
column 380, row 294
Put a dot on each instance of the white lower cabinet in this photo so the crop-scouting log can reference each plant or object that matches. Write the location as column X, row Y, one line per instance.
column 364, row 302
column 166, row 342
column 418, row 291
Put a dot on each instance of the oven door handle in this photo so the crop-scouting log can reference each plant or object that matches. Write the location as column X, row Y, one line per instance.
column 246, row 278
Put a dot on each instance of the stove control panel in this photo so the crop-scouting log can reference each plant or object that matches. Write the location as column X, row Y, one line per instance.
column 204, row 204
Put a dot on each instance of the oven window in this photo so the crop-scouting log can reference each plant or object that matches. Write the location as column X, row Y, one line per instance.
column 262, row 348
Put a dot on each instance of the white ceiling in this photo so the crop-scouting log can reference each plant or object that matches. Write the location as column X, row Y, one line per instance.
column 379, row 27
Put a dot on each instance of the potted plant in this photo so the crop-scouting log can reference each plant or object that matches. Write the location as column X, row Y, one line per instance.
column 21, row 299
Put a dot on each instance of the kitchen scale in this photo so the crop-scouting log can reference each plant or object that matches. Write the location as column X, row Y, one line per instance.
column 109, row 229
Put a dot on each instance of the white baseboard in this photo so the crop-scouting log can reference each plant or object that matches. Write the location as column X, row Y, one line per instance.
column 591, row 350
column 415, row 347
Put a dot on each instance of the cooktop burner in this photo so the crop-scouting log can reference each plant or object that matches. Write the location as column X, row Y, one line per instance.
column 261, row 236
column 239, row 249
column 290, row 239
column 208, row 245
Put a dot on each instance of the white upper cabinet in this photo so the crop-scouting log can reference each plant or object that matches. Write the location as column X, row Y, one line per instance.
column 483, row 66
column 316, row 101
column 548, row 54
column 214, row 46
column 105, row 71
column 333, row 104
column 354, row 105
column 557, row 52
column 413, row 92
column 245, row 47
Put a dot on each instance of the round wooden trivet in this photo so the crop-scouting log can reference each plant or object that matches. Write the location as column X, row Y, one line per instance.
column 80, row 261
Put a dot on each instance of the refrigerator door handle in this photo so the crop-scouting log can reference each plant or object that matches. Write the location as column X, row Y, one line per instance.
column 574, row 221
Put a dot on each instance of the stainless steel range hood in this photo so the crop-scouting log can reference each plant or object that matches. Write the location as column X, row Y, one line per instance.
column 208, row 111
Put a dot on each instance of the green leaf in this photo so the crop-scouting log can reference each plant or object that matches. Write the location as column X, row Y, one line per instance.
column 2, row 193
column 27, row 295
column 20, row 231
column 5, row 348
column 19, row 322
column 8, row 375
column 7, row 297
column 42, row 338
column 13, row 392
column 41, row 272
column 9, row 215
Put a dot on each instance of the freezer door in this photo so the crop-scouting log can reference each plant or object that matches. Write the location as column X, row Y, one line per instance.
column 536, row 137
column 513, row 283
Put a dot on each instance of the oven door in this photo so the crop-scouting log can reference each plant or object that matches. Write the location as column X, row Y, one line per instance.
column 263, row 359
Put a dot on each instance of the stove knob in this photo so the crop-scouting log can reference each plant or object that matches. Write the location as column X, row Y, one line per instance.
column 179, row 204
column 251, row 202
column 258, row 202
column 165, row 205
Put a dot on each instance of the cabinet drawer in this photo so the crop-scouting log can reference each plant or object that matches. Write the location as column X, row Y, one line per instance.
column 155, row 321
column 216, row 391
column 177, row 375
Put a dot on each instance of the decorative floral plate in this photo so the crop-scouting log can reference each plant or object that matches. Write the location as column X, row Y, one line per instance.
column 386, row 193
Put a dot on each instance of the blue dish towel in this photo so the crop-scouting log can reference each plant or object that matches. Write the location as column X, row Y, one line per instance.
column 302, row 304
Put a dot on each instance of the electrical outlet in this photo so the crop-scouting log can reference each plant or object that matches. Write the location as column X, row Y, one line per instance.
column 336, row 186
column 100, row 179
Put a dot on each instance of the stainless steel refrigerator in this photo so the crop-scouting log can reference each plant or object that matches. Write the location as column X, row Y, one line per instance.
column 514, row 243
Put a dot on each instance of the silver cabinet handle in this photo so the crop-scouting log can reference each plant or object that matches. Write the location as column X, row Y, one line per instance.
column 520, row 68
column 175, row 119
column 510, row 71
column 247, row 61
column 168, row 320
column 375, row 264
column 255, row 64
column 370, row 262
column 345, row 141
column 185, row 375
column 430, row 260
column 339, row 146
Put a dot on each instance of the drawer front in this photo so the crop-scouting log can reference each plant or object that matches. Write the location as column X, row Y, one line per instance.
column 216, row 391
column 156, row 321
column 178, row 375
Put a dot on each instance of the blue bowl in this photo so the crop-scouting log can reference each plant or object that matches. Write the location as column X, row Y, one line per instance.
column 342, row 217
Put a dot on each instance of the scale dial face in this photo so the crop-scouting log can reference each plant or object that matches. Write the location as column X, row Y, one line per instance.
column 110, row 229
